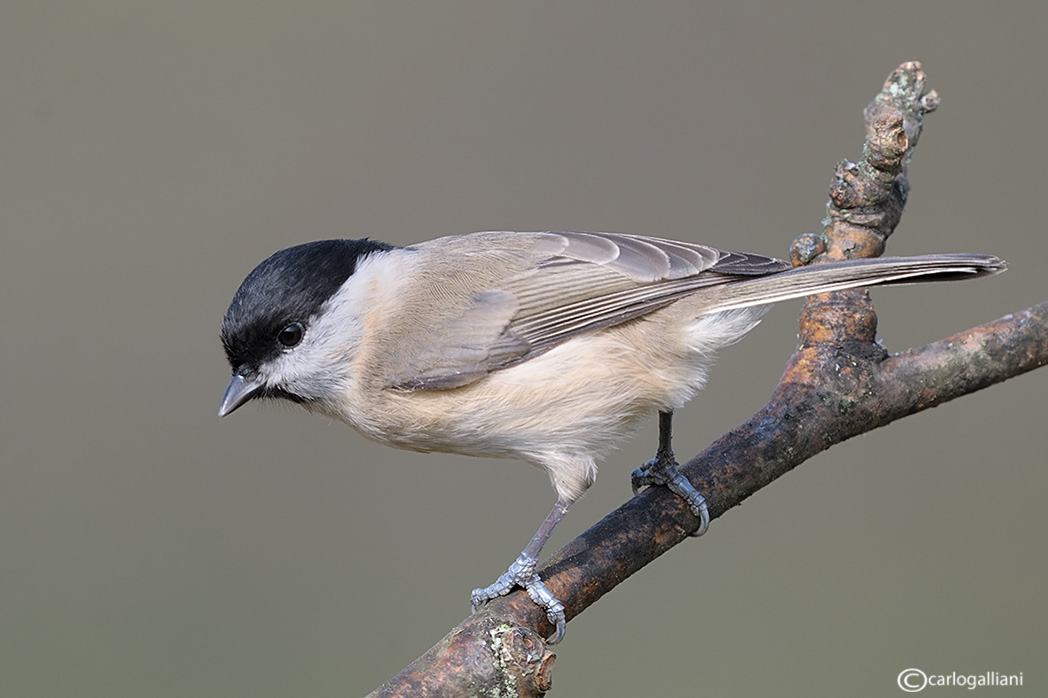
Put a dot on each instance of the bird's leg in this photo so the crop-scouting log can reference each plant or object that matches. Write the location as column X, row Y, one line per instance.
column 522, row 574
column 664, row 470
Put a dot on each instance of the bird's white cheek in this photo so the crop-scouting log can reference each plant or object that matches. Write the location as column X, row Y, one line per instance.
column 319, row 369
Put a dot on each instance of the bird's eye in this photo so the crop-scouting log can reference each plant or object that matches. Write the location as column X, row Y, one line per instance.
column 290, row 335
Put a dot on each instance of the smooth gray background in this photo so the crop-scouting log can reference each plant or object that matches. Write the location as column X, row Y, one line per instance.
column 152, row 153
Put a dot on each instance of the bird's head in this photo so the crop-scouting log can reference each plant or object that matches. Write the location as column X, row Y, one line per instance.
column 291, row 326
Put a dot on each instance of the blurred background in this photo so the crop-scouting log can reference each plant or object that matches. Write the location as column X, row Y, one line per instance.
column 152, row 153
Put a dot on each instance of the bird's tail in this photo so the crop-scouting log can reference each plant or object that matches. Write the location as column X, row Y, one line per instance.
column 839, row 276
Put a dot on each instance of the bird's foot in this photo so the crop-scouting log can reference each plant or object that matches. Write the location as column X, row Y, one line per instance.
column 664, row 471
column 522, row 574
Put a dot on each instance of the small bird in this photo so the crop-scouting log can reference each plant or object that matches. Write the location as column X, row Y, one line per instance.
column 544, row 347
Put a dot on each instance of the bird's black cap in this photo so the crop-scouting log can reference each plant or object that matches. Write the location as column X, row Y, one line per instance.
column 290, row 286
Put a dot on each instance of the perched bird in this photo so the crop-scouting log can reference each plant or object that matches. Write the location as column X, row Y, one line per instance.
column 549, row 348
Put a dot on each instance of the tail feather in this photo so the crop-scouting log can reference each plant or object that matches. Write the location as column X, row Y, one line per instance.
column 840, row 276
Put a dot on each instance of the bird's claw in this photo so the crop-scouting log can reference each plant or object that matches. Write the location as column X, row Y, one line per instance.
column 522, row 574
column 518, row 575
column 646, row 476
column 550, row 604
column 666, row 473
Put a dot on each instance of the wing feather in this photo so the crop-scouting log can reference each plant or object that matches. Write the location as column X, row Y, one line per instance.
column 556, row 286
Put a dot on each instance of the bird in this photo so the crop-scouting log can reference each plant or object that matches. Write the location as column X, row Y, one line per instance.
column 549, row 348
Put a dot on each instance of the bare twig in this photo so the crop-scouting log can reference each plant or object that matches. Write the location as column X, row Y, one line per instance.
column 840, row 383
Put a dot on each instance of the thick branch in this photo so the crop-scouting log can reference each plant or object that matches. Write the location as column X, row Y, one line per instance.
column 839, row 384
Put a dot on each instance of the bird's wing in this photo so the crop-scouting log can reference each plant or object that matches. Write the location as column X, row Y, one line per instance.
column 542, row 289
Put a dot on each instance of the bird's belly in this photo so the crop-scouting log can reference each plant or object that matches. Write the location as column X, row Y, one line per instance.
column 583, row 397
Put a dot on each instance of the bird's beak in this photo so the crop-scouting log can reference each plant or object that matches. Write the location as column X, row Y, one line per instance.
column 239, row 391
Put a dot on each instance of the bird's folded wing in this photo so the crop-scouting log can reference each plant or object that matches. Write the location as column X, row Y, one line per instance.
column 555, row 287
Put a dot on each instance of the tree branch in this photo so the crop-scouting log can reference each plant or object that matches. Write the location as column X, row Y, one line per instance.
column 840, row 383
